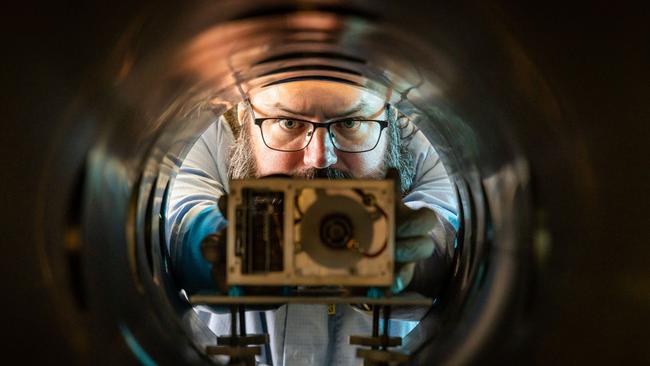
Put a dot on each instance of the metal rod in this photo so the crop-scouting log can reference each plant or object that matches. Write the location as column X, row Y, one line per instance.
column 386, row 313
column 263, row 300
column 242, row 320
column 233, row 325
column 375, row 322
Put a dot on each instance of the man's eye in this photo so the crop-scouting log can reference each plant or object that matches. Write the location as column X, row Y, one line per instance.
column 289, row 124
column 349, row 124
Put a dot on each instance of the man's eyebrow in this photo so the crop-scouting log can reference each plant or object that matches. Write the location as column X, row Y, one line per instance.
column 350, row 112
column 285, row 109
column 353, row 110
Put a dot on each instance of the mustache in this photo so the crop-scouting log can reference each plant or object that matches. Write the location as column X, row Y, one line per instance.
column 329, row 173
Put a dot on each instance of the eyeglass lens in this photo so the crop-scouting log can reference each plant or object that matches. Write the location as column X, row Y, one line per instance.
column 348, row 135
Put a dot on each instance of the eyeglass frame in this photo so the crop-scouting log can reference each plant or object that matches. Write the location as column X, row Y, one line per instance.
column 383, row 124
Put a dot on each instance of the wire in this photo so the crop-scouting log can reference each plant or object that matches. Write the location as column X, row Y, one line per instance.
column 377, row 253
column 368, row 200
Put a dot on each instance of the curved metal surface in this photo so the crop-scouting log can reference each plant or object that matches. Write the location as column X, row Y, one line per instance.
column 491, row 87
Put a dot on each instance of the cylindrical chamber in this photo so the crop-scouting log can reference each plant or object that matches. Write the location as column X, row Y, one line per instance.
column 516, row 128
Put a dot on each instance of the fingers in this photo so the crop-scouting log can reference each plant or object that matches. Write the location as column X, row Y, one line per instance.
column 213, row 246
column 414, row 222
column 403, row 276
column 213, row 249
column 413, row 248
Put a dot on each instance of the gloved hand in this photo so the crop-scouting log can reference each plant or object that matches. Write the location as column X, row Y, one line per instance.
column 413, row 241
column 213, row 249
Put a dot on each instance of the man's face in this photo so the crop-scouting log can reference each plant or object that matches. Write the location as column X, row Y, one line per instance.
column 316, row 101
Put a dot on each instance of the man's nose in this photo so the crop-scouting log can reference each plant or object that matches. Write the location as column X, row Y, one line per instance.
column 320, row 152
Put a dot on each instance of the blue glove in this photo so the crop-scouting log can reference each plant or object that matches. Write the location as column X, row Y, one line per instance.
column 193, row 272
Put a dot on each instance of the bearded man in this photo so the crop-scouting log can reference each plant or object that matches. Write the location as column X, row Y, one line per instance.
column 315, row 128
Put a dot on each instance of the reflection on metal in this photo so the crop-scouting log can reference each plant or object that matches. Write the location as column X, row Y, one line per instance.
column 135, row 347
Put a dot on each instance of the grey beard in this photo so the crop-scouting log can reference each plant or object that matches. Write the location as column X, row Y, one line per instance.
column 242, row 162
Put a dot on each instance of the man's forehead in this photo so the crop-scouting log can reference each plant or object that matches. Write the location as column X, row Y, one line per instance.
column 317, row 99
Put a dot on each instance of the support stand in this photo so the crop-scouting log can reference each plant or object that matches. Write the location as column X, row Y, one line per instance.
column 241, row 348
column 378, row 354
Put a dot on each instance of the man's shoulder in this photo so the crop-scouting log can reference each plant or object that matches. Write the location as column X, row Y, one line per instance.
column 419, row 145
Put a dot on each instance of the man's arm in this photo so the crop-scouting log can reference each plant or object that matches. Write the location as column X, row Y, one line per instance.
column 193, row 212
column 432, row 189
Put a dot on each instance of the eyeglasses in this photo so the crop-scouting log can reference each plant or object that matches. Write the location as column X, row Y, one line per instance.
column 347, row 135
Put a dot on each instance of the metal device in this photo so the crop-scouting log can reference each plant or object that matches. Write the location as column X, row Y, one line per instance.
column 310, row 232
